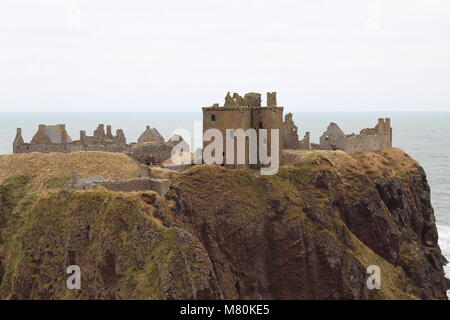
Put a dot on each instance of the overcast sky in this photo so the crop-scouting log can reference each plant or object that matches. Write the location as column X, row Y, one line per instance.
column 166, row 55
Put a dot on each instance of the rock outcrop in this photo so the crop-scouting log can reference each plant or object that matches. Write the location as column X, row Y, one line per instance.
column 309, row 232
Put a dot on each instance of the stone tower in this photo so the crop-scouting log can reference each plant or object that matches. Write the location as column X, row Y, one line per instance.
column 18, row 141
column 244, row 113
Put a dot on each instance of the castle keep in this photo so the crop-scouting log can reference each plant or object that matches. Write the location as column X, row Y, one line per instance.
column 244, row 113
column 371, row 139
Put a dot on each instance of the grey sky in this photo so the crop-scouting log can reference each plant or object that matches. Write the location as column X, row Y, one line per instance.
column 181, row 55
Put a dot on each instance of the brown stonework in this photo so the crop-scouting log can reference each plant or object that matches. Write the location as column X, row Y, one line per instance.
column 290, row 135
column 161, row 186
column 150, row 153
column 238, row 116
column 150, row 135
column 155, row 153
column 271, row 99
column 54, row 138
column 230, row 101
column 252, row 99
column 370, row 139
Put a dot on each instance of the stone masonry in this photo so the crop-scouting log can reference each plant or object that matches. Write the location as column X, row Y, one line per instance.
column 244, row 113
column 154, row 152
column 54, row 138
column 290, row 135
column 160, row 186
column 150, row 135
column 370, row 139
column 238, row 112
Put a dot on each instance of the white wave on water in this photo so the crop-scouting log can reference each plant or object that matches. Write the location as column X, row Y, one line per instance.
column 444, row 243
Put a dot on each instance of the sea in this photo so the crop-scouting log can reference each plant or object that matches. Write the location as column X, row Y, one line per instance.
column 423, row 135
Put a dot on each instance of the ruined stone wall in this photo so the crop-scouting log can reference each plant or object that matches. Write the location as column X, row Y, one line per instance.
column 305, row 144
column 251, row 99
column 42, row 142
column 44, row 148
column 370, row 139
column 105, row 148
column 333, row 138
column 161, row 186
column 66, row 148
column 272, row 99
column 150, row 153
column 290, row 135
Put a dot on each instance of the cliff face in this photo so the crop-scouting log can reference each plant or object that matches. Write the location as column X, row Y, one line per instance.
column 310, row 232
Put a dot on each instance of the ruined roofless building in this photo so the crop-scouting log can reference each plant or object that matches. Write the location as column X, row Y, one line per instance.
column 244, row 113
column 371, row 139
column 54, row 138
column 150, row 135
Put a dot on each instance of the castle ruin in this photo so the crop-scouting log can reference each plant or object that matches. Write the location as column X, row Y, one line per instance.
column 370, row 139
column 150, row 135
column 144, row 183
column 54, row 138
column 244, row 113
column 290, row 135
column 237, row 112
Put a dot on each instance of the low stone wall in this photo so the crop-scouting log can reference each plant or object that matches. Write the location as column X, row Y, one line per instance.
column 161, row 186
column 150, row 153
column 67, row 148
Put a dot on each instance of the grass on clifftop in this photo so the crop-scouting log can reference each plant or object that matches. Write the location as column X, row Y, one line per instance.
column 53, row 170
column 391, row 162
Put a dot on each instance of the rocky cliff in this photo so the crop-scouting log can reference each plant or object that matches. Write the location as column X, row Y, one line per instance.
column 309, row 232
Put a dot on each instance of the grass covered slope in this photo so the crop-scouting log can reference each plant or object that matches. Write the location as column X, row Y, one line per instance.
column 123, row 252
column 308, row 232
column 47, row 169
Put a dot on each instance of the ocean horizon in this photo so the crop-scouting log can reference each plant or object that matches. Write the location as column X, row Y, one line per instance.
column 425, row 136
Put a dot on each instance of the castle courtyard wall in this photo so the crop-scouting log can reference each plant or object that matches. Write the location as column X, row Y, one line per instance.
column 161, row 186
column 369, row 140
